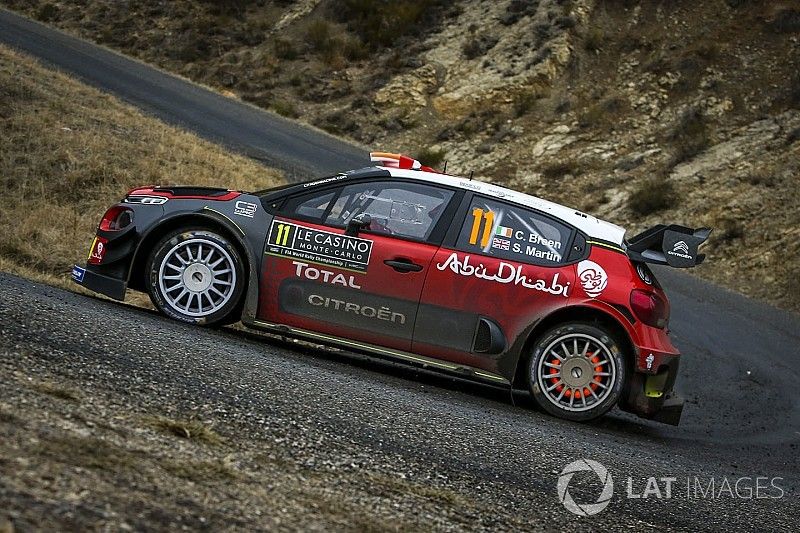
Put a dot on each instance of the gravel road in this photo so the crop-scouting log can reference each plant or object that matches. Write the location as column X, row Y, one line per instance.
column 497, row 463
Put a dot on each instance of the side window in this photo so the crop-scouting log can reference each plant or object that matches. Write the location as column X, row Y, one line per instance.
column 310, row 206
column 513, row 233
column 396, row 208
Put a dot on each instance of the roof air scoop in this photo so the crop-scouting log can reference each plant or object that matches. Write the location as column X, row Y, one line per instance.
column 390, row 160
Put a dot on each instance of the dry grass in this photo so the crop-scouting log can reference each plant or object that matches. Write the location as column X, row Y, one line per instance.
column 68, row 151
column 193, row 430
column 57, row 391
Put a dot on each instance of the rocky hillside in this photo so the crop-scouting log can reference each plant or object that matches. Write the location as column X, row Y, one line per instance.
column 638, row 111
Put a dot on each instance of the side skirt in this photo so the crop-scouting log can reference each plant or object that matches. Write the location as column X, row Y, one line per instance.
column 427, row 363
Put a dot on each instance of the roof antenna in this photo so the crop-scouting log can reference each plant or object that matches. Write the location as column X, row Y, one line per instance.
column 471, row 172
column 444, row 170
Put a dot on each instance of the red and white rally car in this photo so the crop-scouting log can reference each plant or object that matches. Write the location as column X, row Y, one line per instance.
column 403, row 262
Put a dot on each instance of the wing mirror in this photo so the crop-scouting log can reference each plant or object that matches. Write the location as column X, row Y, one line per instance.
column 357, row 224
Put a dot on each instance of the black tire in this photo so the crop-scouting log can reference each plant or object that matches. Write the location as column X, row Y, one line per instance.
column 592, row 383
column 213, row 298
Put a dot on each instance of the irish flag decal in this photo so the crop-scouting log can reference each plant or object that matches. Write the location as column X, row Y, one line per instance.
column 504, row 231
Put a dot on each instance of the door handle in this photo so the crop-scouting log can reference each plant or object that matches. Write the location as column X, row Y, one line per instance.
column 403, row 265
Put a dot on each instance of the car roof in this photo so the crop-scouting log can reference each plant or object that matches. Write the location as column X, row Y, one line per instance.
column 588, row 224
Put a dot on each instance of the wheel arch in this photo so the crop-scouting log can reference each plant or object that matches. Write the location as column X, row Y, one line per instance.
column 582, row 313
column 137, row 275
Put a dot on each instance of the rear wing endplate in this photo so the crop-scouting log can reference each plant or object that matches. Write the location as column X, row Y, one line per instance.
column 671, row 245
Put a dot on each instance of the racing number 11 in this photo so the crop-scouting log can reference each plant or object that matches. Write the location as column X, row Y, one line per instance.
column 478, row 216
column 283, row 234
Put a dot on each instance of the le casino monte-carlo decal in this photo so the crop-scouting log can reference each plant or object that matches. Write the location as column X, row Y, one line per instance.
column 287, row 239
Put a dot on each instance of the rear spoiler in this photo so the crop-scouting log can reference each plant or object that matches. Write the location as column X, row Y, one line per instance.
column 671, row 245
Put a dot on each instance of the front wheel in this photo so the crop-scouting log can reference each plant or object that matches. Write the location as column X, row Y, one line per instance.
column 196, row 276
column 577, row 371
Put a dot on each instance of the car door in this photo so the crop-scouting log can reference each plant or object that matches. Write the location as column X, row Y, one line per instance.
column 363, row 287
column 501, row 268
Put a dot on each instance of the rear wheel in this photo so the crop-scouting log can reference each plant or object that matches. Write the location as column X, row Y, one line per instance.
column 196, row 276
column 577, row 371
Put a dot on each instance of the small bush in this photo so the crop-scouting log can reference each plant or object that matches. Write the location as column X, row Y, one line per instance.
column 763, row 176
column 318, row 35
column 47, row 12
column 786, row 21
column 57, row 391
column 354, row 50
column 602, row 113
column 558, row 170
column 728, row 229
column 478, row 46
column 651, row 196
column 793, row 136
column 285, row 49
column 524, row 103
column 689, row 136
column 430, row 157
column 184, row 429
column 380, row 23
column 284, row 108
column 593, row 40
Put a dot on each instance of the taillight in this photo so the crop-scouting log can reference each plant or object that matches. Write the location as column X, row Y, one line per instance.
column 116, row 218
column 650, row 308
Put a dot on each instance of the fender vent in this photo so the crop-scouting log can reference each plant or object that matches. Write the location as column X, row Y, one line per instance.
column 488, row 337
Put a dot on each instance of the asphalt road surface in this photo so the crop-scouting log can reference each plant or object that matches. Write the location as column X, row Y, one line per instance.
column 300, row 151
column 740, row 369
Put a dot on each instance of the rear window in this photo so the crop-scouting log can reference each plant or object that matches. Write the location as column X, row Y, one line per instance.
column 513, row 233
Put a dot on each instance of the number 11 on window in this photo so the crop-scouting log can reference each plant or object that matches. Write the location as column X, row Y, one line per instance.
column 479, row 216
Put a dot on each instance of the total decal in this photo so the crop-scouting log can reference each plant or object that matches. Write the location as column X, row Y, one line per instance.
column 593, row 278
column 287, row 239
column 306, row 271
column 506, row 273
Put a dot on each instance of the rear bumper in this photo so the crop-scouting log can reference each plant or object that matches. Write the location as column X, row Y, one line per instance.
column 111, row 287
column 651, row 396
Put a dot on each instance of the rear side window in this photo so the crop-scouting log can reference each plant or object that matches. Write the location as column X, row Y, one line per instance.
column 312, row 206
column 513, row 233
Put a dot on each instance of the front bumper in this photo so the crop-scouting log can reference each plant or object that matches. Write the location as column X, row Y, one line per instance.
column 651, row 396
column 111, row 287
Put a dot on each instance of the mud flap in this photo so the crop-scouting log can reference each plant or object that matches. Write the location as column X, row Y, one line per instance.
column 673, row 245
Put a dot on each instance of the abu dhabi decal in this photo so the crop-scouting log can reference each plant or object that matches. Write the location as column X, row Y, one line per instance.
column 506, row 273
column 287, row 239
column 306, row 271
column 592, row 277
